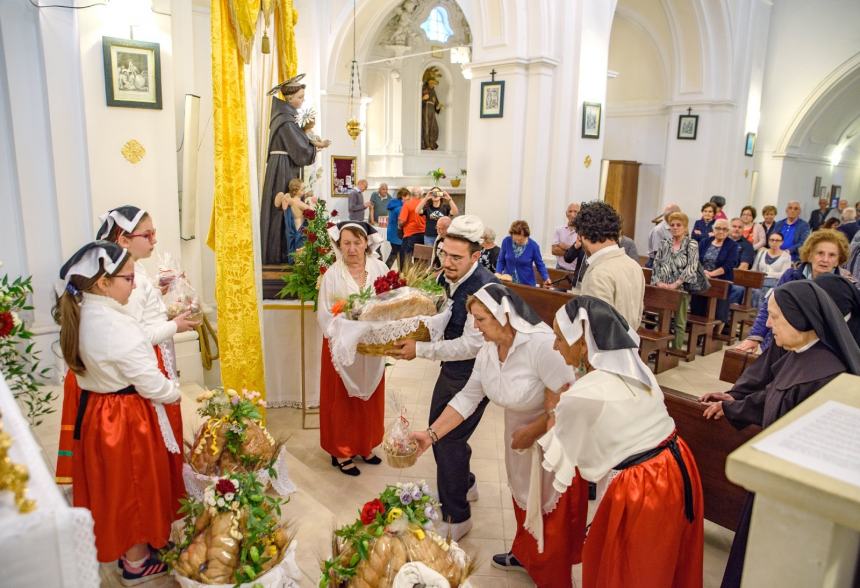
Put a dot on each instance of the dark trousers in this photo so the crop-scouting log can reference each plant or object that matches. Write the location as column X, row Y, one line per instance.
column 396, row 253
column 452, row 452
column 409, row 246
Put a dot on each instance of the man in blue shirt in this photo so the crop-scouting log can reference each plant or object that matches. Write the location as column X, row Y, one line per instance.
column 794, row 230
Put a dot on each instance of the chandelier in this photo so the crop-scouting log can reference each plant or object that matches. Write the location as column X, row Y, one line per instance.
column 353, row 126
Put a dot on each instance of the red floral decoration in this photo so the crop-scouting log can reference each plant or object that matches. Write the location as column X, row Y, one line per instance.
column 370, row 510
column 310, row 214
column 7, row 323
column 390, row 281
column 333, row 213
column 225, row 486
column 330, row 224
column 312, row 238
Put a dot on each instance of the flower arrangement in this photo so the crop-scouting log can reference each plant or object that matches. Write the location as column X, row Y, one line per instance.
column 392, row 529
column 232, row 535
column 233, row 438
column 312, row 260
column 19, row 359
column 438, row 174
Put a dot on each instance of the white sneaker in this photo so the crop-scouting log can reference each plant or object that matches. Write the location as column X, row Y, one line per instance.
column 456, row 530
column 472, row 494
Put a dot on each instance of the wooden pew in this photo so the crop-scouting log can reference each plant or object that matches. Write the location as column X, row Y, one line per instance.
column 711, row 442
column 422, row 254
column 706, row 325
column 734, row 364
column 750, row 281
column 561, row 279
column 545, row 302
column 663, row 303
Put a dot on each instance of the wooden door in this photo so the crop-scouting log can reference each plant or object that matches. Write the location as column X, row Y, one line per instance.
column 622, row 184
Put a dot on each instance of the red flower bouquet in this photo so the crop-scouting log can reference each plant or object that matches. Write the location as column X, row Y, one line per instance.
column 370, row 510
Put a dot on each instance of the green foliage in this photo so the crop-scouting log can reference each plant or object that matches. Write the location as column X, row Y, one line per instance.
column 310, row 262
column 19, row 360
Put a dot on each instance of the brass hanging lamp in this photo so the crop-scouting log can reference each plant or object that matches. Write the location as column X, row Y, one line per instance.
column 353, row 126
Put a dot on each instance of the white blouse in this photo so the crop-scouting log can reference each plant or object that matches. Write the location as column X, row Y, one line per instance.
column 600, row 421
column 147, row 306
column 774, row 270
column 116, row 352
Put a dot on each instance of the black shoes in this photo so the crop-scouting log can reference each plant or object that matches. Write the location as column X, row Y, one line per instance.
column 372, row 460
column 346, row 467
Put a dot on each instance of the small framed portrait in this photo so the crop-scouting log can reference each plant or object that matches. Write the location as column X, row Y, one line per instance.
column 132, row 73
column 591, row 120
column 835, row 194
column 492, row 99
column 688, row 126
column 342, row 174
column 749, row 146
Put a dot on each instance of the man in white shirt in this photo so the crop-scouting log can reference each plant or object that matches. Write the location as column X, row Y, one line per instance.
column 660, row 232
column 610, row 274
column 565, row 238
column 462, row 275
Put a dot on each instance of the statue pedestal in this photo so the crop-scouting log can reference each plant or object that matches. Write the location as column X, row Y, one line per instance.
column 805, row 527
column 291, row 350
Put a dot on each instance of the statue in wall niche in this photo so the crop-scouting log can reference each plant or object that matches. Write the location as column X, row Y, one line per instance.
column 430, row 108
column 290, row 149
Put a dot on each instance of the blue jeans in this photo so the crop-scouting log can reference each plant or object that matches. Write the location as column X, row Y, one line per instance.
column 736, row 294
column 428, row 240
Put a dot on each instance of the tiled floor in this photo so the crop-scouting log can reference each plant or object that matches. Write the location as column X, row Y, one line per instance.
column 327, row 498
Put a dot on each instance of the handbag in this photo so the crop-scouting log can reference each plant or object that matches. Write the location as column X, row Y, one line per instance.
column 701, row 283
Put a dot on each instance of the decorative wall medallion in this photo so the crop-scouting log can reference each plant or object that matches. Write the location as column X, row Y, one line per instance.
column 587, row 161
column 133, row 151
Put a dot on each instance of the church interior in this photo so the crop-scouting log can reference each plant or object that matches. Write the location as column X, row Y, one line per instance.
column 229, row 186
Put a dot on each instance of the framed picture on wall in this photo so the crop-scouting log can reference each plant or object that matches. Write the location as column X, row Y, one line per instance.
column 342, row 174
column 492, row 99
column 817, row 188
column 688, row 126
column 132, row 73
column 749, row 146
column 835, row 194
column 591, row 120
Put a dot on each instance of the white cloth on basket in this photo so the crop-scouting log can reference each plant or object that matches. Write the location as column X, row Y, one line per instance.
column 415, row 573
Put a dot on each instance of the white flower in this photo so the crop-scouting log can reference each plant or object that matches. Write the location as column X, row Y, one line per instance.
column 220, row 502
column 16, row 320
column 228, row 497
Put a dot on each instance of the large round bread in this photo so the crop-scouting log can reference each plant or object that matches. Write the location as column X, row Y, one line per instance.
column 401, row 307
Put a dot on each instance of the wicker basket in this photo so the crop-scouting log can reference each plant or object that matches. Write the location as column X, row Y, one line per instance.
column 422, row 333
column 401, row 461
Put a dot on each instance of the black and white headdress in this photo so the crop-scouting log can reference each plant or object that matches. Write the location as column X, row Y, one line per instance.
column 125, row 217
column 374, row 237
column 91, row 258
column 507, row 307
column 612, row 345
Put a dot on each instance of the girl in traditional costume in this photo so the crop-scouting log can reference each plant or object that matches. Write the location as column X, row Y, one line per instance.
column 648, row 528
column 515, row 368
column 121, row 465
column 352, row 398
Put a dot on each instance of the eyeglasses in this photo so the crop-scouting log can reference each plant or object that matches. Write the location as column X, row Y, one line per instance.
column 455, row 258
column 127, row 277
column 148, row 235
column 721, row 228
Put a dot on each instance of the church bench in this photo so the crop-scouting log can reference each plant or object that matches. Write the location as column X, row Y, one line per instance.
column 705, row 326
column 544, row 302
column 749, row 280
column 662, row 303
column 561, row 279
column 422, row 253
column 734, row 364
column 711, row 442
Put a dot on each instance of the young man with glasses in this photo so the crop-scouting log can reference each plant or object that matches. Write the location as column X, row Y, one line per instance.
column 462, row 275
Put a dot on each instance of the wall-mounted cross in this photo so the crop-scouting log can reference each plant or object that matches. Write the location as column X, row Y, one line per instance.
column 689, row 111
column 493, row 75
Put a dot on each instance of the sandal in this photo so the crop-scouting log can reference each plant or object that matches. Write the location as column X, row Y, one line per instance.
column 346, row 467
column 372, row 460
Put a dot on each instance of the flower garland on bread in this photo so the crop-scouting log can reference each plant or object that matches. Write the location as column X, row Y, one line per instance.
column 233, row 438
column 392, row 529
column 233, row 535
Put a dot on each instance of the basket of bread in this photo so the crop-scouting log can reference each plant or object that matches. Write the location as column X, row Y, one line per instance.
column 233, row 536
column 233, row 439
column 397, row 306
column 394, row 539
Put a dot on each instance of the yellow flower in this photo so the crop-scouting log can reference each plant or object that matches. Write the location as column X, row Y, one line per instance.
column 272, row 550
column 393, row 514
column 231, row 392
column 418, row 532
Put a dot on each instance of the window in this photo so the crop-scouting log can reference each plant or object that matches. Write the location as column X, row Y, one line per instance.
column 436, row 26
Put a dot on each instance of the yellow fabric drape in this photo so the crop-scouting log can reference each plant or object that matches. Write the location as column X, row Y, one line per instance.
column 235, row 283
column 286, row 18
column 243, row 18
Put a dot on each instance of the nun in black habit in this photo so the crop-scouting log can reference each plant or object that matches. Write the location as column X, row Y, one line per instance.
column 290, row 149
column 814, row 344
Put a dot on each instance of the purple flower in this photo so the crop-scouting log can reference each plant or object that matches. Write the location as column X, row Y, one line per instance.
column 430, row 512
column 416, row 493
column 234, row 400
column 405, row 497
column 425, row 489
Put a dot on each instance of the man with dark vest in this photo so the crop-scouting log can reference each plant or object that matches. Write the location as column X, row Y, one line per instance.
column 462, row 275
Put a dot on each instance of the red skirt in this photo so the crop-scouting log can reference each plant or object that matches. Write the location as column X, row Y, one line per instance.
column 640, row 535
column 174, row 415
column 71, row 399
column 348, row 425
column 563, row 532
column 120, row 467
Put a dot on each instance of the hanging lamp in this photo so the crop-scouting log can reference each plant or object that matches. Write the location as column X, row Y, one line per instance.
column 353, row 126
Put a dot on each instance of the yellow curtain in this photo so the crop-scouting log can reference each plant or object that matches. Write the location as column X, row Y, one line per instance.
column 230, row 234
column 286, row 18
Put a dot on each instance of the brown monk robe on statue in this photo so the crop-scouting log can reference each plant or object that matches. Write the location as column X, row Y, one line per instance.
column 290, row 149
column 430, row 107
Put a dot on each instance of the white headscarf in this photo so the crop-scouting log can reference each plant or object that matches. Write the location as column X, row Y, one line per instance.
column 374, row 237
column 506, row 306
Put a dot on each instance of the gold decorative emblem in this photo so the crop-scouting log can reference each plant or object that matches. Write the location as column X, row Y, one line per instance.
column 133, row 151
column 13, row 476
column 587, row 161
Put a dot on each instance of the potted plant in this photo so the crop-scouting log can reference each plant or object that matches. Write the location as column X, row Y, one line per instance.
column 455, row 181
column 437, row 174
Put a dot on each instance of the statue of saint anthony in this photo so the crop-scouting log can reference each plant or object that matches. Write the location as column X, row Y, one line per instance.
column 430, row 107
